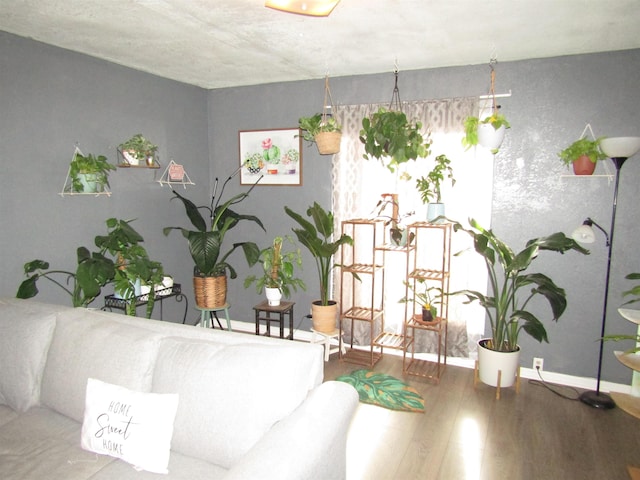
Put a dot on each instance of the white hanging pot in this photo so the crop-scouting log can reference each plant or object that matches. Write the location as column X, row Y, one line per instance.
column 273, row 296
column 490, row 362
column 489, row 137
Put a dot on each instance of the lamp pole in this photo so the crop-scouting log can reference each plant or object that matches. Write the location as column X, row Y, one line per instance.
column 596, row 398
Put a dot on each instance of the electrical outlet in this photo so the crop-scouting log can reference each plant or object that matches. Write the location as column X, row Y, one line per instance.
column 538, row 363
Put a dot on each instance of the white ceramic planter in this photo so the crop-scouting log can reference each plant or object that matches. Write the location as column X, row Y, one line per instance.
column 489, row 137
column 273, row 296
column 490, row 362
column 435, row 210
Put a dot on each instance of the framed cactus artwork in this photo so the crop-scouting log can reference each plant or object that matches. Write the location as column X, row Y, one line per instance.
column 276, row 155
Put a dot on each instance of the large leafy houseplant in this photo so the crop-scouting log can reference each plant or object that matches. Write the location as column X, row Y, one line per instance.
column 317, row 238
column 206, row 242
column 92, row 273
column 511, row 287
column 391, row 138
column 278, row 266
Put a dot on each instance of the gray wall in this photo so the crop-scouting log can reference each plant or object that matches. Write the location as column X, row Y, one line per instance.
column 51, row 98
column 551, row 102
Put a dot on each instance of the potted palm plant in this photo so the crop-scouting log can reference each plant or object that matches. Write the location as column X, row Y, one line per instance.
column 206, row 245
column 323, row 130
column 278, row 266
column 430, row 187
column 317, row 238
column 90, row 173
column 511, row 288
column 391, row 138
column 582, row 155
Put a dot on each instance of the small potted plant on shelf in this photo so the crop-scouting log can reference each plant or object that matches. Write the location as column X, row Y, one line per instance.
column 398, row 233
column 488, row 132
column 278, row 268
column 583, row 155
column 317, row 238
column 422, row 297
column 511, row 290
column 430, row 187
column 323, row 130
column 391, row 138
column 138, row 151
column 90, row 173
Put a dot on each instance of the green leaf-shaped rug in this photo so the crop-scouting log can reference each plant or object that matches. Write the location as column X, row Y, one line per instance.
column 384, row 390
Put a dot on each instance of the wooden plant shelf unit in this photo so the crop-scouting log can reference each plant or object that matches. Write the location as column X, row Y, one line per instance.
column 430, row 262
column 630, row 403
column 361, row 301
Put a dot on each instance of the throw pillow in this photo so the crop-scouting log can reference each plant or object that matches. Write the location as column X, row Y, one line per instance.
column 134, row 426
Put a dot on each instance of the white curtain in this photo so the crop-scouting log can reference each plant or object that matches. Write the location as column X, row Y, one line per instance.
column 359, row 183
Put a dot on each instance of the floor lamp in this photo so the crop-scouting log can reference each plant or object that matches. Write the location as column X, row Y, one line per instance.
column 619, row 149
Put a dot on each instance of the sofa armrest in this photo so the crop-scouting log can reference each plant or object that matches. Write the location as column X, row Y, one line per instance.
column 308, row 444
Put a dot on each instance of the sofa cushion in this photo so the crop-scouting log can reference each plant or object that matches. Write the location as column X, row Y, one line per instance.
column 90, row 344
column 134, row 426
column 42, row 444
column 26, row 330
column 229, row 395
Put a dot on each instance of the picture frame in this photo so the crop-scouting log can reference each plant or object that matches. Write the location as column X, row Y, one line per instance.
column 275, row 154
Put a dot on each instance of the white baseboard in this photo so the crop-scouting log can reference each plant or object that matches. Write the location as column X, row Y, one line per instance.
column 585, row 383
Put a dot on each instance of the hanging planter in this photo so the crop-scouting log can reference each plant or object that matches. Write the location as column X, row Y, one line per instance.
column 322, row 129
column 390, row 137
column 583, row 154
column 488, row 132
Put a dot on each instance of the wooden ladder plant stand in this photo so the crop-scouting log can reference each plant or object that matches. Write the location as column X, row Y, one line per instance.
column 476, row 378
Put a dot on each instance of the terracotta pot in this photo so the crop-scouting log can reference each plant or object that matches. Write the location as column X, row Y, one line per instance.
column 583, row 166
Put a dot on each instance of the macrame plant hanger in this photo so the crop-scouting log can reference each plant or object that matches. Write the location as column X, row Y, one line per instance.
column 328, row 140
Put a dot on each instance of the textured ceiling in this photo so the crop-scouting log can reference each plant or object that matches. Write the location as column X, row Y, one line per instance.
column 223, row 43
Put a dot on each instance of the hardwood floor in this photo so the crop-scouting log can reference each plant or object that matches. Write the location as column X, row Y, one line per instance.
column 467, row 434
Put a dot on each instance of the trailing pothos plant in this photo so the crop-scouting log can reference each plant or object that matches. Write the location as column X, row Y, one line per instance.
column 511, row 287
column 391, row 138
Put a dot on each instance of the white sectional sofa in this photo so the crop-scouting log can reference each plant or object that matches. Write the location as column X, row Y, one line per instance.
column 232, row 405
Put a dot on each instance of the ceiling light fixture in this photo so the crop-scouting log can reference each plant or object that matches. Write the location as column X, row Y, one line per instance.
column 314, row 8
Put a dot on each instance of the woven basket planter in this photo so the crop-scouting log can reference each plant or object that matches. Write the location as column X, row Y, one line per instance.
column 328, row 142
column 210, row 292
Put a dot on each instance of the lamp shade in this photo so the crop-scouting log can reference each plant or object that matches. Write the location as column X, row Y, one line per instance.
column 584, row 234
column 620, row 147
column 314, row 8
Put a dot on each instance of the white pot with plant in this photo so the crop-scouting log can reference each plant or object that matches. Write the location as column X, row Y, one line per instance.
column 278, row 266
column 511, row 289
column 430, row 188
